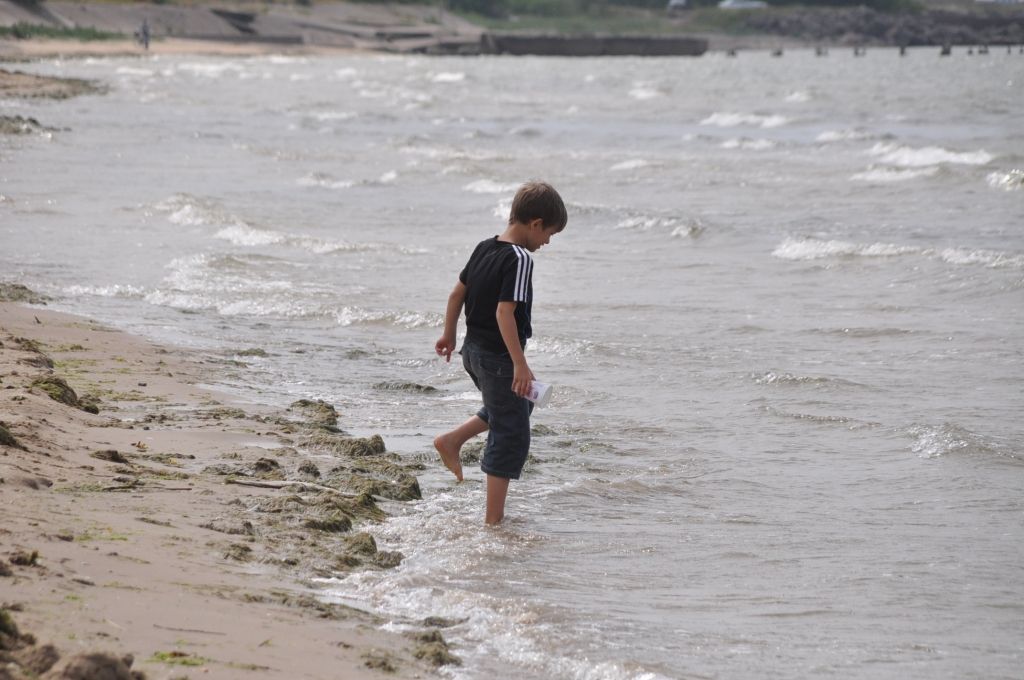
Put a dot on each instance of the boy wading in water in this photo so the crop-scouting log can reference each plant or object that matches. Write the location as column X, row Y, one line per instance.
column 496, row 288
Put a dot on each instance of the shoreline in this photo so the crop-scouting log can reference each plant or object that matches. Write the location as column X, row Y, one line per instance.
column 14, row 51
column 178, row 525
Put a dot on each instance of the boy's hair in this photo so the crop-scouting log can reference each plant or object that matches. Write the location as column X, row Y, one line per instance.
column 539, row 200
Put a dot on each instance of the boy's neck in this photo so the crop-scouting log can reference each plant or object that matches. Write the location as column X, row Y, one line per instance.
column 515, row 234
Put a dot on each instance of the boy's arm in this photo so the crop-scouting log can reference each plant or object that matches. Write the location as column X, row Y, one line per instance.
column 446, row 345
column 522, row 375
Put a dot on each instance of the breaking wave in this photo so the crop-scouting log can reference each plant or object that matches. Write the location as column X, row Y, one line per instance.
column 1007, row 181
column 814, row 249
column 846, row 135
column 748, row 144
column 486, row 186
column 634, row 164
column 790, row 380
column 936, row 441
column 909, row 157
column 322, row 179
column 884, row 174
column 114, row 290
column 353, row 316
column 804, row 249
column 748, row 119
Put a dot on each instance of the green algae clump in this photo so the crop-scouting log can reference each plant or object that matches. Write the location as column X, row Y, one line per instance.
column 57, row 389
column 319, row 414
column 7, row 439
column 433, row 649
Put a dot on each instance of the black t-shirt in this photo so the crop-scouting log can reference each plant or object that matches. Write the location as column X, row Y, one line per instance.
column 497, row 272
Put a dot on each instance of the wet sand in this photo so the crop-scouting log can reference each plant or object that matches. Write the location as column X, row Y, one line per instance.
column 131, row 524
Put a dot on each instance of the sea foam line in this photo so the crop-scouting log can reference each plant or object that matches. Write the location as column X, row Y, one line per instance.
column 751, row 119
column 1007, row 181
column 804, row 249
column 909, row 157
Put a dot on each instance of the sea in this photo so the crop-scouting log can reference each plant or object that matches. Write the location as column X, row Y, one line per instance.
column 784, row 325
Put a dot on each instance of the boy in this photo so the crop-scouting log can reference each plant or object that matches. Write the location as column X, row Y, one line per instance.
column 496, row 287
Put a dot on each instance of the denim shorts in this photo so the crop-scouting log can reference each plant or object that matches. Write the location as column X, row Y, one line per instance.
column 507, row 414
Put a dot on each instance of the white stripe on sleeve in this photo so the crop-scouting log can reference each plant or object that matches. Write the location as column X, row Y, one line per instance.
column 524, row 270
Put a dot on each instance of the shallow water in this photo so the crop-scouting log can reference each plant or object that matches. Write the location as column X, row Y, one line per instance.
column 784, row 325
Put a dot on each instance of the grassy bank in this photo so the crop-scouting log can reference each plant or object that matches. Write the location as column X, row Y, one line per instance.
column 24, row 31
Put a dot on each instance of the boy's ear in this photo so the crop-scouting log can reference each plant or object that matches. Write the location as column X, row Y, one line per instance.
column 536, row 222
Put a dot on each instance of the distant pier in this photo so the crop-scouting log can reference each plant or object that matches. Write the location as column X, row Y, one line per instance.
column 592, row 45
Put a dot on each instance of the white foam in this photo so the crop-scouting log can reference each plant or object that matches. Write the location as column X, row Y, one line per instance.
column 487, row 186
column 319, row 179
column 909, row 157
column 280, row 59
column 326, row 116
column 748, row 144
column 244, row 235
column 448, row 77
column 133, row 71
column 798, row 97
column 750, row 119
column 633, row 164
column 814, row 249
column 676, row 226
column 115, row 290
column 353, row 316
column 515, row 634
column 841, row 135
column 388, row 177
column 987, row 258
column 189, row 211
column 885, row 175
column 209, row 70
column 644, row 92
column 502, row 210
column 935, row 441
column 346, row 73
column 188, row 215
column 1007, row 181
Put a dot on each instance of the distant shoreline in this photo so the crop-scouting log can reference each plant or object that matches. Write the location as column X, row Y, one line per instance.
column 341, row 27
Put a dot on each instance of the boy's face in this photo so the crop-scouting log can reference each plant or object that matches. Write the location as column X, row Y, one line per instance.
column 538, row 235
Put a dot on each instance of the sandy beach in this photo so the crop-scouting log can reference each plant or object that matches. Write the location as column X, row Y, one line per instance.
column 130, row 526
column 151, row 519
column 26, row 50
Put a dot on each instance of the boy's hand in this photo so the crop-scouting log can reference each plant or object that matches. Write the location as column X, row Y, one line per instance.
column 444, row 347
column 521, row 377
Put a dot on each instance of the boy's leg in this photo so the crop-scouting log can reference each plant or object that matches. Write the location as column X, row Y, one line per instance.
column 450, row 443
column 497, row 490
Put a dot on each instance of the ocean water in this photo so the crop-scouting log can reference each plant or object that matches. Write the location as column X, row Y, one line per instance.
column 784, row 324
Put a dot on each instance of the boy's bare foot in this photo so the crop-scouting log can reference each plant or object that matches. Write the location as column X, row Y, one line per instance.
column 449, row 454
